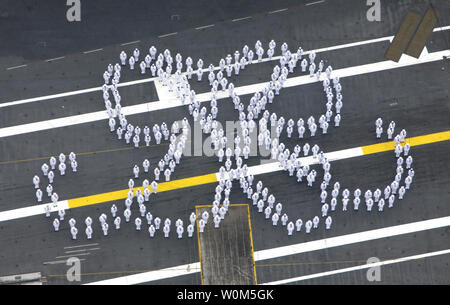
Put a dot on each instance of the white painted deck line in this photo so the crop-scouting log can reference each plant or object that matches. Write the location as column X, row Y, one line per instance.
column 296, row 249
column 312, row 3
column 352, row 238
column 76, row 92
column 275, row 166
column 151, row 275
column 32, row 210
column 172, row 102
column 360, row 267
column 254, row 170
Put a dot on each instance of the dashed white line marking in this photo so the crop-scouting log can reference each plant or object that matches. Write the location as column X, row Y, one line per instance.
column 165, row 35
column 92, row 51
column 88, row 245
column 204, row 27
column 360, row 267
column 53, row 59
column 131, row 42
column 71, row 255
column 81, row 250
column 141, row 81
column 239, row 19
column 278, row 11
column 16, row 67
column 393, row 104
column 317, row 2
column 290, row 250
column 59, row 262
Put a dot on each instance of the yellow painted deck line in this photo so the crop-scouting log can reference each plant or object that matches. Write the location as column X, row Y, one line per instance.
column 211, row 178
column 251, row 243
column 414, row 141
column 122, row 194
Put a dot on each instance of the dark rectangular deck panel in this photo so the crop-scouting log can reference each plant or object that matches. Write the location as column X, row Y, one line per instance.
column 227, row 252
column 424, row 30
column 403, row 36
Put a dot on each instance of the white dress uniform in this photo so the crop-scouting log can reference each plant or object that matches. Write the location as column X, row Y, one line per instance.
column 149, row 218
column 113, row 210
column 39, row 195
column 201, row 225
column 180, row 231
column 117, row 221
column 316, row 221
column 167, row 173
column 142, row 208
column 275, row 219
column 167, row 222
column 290, row 228
column 381, row 205
column 51, row 176
column 278, row 208
column 136, row 171
column 166, row 231
column 151, row 230
column 328, row 222
column 192, row 218
column 88, row 232
column 45, row 169
column 298, row 224
column 36, row 181
column 127, row 214
column 74, row 232
column 138, row 223
column 205, row 216
column 154, row 186
column 217, row 220
column 72, row 222
column 105, row 228
column 157, row 223
column 74, row 165
column 131, row 62
column 308, row 226
column 56, row 224
column 52, row 162
column 401, row 192
column 190, row 230
column 123, row 58
column 61, row 214
column 102, row 218
column 356, row 203
column 62, row 169
column 146, row 165
column 325, row 208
